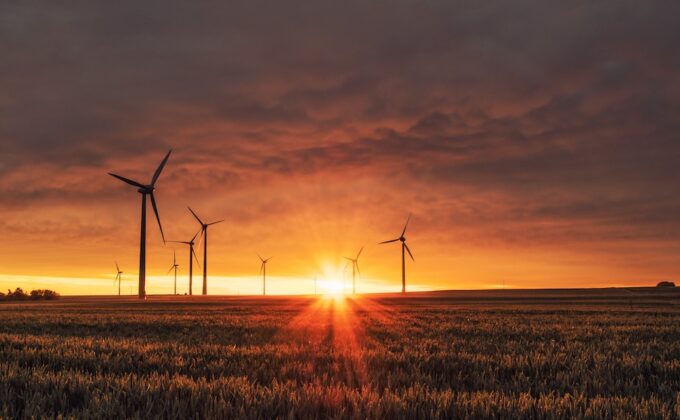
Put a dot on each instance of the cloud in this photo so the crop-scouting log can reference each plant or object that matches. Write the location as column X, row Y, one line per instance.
column 485, row 118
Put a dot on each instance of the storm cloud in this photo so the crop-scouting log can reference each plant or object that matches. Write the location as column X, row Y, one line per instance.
column 507, row 124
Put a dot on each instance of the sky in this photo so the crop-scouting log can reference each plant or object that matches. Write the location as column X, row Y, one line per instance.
column 535, row 143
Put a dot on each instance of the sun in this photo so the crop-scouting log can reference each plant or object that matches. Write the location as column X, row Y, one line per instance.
column 334, row 287
column 332, row 282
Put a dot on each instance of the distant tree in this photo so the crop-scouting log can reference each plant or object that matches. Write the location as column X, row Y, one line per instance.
column 50, row 294
column 44, row 294
column 665, row 284
column 17, row 294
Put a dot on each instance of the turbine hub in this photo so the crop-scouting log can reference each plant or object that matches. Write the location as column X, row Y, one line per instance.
column 402, row 239
column 146, row 190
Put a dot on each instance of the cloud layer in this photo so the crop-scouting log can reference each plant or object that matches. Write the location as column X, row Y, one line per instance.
column 529, row 131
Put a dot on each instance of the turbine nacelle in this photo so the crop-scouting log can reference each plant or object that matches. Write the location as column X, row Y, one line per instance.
column 149, row 189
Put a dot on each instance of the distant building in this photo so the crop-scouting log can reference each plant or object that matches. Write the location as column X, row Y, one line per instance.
column 665, row 284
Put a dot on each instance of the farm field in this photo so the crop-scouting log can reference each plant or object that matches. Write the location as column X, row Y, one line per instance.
column 547, row 353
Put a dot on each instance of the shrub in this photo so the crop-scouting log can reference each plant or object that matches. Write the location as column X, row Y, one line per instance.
column 665, row 284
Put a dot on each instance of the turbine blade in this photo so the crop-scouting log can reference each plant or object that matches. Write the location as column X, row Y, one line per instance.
column 158, row 218
column 269, row 258
column 362, row 248
column 409, row 251
column 258, row 256
column 128, row 181
column 261, row 267
column 170, row 269
column 117, row 268
column 387, row 242
column 160, row 168
column 406, row 225
column 348, row 258
column 196, row 258
column 214, row 223
column 197, row 218
column 199, row 231
column 200, row 239
column 179, row 242
column 357, row 265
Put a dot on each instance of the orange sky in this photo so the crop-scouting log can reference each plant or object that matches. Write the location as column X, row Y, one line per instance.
column 535, row 145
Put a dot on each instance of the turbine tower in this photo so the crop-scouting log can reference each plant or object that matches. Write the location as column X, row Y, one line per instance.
column 263, row 270
column 355, row 269
column 204, row 230
column 145, row 190
column 404, row 247
column 174, row 266
column 119, row 277
column 191, row 261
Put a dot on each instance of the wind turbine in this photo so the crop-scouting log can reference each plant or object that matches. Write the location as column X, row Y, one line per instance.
column 263, row 270
column 175, row 266
column 204, row 229
column 191, row 261
column 145, row 190
column 119, row 277
column 402, row 238
column 355, row 267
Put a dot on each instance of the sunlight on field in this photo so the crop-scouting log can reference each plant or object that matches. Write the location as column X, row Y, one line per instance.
column 340, row 356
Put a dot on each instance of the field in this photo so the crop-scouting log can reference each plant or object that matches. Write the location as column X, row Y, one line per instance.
column 611, row 353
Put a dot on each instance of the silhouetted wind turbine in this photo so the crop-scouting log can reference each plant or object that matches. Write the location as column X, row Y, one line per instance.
column 204, row 229
column 402, row 238
column 355, row 266
column 174, row 266
column 263, row 270
column 119, row 277
column 191, row 261
column 146, row 190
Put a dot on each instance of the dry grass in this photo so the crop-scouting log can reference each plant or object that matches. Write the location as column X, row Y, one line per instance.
column 503, row 354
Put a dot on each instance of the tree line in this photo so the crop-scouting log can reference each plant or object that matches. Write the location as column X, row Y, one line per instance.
column 19, row 294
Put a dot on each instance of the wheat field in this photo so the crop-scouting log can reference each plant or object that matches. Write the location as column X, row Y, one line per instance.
column 545, row 354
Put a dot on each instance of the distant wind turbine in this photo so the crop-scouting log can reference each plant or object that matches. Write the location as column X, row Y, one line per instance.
column 119, row 277
column 192, row 253
column 404, row 247
column 355, row 267
column 174, row 266
column 146, row 190
column 204, row 229
column 263, row 270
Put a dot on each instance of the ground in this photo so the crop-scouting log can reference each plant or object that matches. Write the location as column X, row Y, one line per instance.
column 564, row 353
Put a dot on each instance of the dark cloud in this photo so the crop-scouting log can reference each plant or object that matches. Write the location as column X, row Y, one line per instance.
column 553, row 111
